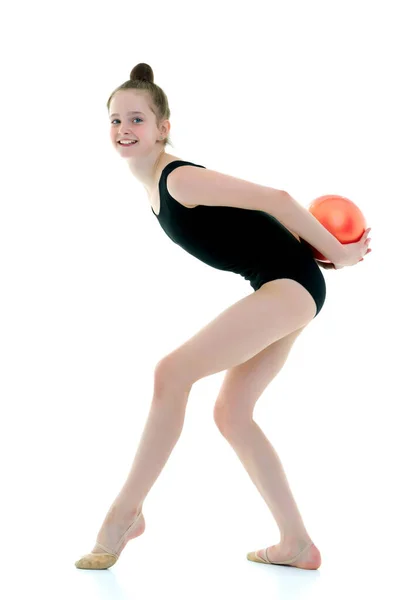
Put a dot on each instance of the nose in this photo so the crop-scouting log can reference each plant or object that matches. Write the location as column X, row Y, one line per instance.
column 123, row 130
column 123, row 127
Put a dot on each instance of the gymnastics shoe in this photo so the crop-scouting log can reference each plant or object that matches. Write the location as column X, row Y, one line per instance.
column 107, row 559
column 261, row 556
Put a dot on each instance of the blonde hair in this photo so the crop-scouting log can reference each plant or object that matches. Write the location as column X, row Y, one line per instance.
column 142, row 79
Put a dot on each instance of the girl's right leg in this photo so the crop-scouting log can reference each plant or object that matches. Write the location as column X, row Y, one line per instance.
column 162, row 430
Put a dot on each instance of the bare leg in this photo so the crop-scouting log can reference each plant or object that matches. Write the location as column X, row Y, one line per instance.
column 162, row 430
column 264, row 467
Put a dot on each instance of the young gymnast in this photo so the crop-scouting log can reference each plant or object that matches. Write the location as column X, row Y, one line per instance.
column 261, row 234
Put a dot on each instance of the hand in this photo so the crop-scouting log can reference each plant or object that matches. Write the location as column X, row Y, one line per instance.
column 354, row 253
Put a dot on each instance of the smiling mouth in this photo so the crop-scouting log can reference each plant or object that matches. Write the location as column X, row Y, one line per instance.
column 132, row 143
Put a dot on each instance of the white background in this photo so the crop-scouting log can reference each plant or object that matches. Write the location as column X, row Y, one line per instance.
column 301, row 96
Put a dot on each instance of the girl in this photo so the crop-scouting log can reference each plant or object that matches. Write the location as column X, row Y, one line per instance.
column 262, row 234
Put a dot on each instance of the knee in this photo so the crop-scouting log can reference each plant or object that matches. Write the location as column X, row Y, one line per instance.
column 168, row 377
column 229, row 419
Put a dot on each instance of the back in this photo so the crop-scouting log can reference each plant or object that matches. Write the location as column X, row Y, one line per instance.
column 243, row 241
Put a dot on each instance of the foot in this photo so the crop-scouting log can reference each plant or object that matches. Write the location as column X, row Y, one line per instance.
column 117, row 530
column 116, row 523
column 306, row 555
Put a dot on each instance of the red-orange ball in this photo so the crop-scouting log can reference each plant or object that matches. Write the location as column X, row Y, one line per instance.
column 341, row 217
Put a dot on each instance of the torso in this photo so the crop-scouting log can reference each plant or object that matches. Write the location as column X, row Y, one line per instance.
column 155, row 196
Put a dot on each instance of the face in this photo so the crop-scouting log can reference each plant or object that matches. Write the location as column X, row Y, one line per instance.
column 132, row 119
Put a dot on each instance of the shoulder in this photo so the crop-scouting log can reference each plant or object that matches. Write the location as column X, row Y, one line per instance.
column 200, row 186
column 181, row 178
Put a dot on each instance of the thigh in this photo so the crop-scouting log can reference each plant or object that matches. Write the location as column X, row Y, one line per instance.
column 244, row 384
column 243, row 330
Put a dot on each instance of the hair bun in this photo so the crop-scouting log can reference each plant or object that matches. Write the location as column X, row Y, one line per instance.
column 143, row 72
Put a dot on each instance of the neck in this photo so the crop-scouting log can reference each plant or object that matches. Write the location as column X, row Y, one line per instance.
column 146, row 170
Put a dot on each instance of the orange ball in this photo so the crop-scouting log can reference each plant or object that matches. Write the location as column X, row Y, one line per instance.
column 341, row 217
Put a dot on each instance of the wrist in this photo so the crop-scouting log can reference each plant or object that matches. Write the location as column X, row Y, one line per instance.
column 340, row 254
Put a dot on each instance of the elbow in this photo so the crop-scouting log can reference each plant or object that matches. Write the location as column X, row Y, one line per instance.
column 286, row 203
column 283, row 209
column 277, row 203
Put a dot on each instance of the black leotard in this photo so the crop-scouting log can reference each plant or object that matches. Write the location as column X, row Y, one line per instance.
column 251, row 243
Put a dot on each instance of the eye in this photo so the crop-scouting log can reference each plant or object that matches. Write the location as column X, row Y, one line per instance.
column 135, row 119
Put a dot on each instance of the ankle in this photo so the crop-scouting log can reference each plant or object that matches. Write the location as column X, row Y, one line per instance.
column 119, row 511
column 295, row 539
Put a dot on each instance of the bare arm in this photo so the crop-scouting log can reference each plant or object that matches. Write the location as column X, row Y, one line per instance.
column 297, row 218
column 325, row 265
